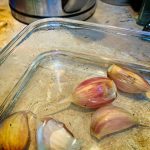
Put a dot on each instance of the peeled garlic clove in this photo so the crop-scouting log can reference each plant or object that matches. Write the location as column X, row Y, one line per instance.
column 95, row 92
column 110, row 119
column 14, row 132
column 127, row 81
column 54, row 135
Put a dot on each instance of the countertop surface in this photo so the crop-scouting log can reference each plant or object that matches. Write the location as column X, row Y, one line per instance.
column 120, row 16
column 57, row 80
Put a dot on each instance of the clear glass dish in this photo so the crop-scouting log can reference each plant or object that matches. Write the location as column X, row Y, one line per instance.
column 52, row 77
column 32, row 77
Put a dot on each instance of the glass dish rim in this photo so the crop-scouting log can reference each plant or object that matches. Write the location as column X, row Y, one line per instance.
column 8, row 49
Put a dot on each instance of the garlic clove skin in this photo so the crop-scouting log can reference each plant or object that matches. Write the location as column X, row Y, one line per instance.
column 56, row 136
column 127, row 81
column 95, row 92
column 110, row 119
column 14, row 132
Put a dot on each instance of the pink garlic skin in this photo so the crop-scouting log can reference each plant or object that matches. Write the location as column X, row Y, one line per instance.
column 95, row 92
column 127, row 81
column 110, row 119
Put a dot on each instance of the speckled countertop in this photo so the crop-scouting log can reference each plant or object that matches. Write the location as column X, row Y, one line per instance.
column 121, row 16
column 10, row 72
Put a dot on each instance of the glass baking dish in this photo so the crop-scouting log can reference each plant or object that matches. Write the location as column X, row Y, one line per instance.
column 51, row 78
column 82, row 50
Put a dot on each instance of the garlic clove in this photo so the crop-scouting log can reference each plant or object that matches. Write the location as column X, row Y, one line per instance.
column 127, row 81
column 110, row 119
column 14, row 132
column 54, row 135
column 95, row 92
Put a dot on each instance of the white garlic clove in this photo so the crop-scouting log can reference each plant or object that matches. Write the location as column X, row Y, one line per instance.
column 54, row 135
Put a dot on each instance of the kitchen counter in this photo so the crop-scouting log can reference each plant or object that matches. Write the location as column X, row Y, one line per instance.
column 56, row 80
column 121, row 16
